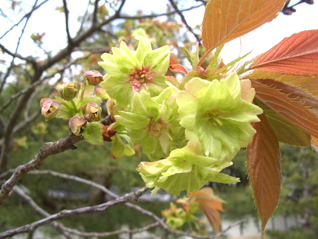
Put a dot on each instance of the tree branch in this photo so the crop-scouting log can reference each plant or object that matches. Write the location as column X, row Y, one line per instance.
column 137, row 208
column 58, row 226
column 66, row 13
column 174, row 5
column 160, row 14
column 25, row 16
column 84, row 18
column 95, row 13
column 36, row 163
column 130, row 197
column 3, row 81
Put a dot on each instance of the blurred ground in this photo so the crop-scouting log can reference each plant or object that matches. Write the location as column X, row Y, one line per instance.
column 254, row 236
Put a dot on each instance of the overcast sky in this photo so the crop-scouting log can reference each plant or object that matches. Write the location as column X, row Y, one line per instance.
column 48, row 19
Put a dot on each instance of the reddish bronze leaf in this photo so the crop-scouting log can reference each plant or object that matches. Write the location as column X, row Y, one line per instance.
column 314, row 144
column 210, row 205
column 264, row 169
column 306, row 83
column 225, row 20
column 295, row 55
column 307, row 100
column 178, row 68
column 292, row 110
column 285, row 131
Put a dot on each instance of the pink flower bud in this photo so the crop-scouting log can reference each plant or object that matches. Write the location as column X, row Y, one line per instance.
column 77, row 125
column 67, row 90
column 91, row 112
column 93, row 77
column 49, row 108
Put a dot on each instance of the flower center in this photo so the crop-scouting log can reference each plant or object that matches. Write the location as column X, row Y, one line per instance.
column 213, row 115
column 138, row 78
column 158, row 128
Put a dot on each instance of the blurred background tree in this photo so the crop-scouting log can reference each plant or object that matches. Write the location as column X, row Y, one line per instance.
column 29, row 70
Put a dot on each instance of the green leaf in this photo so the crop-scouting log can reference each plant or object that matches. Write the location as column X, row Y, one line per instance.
column 193, row 58
column 212, row 65
column 232, row 63
column 93, row 133
column 92, row 99
column 64, row 111
column 118, row 147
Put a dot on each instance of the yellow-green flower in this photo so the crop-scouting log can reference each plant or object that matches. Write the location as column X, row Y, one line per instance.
column 129, row 72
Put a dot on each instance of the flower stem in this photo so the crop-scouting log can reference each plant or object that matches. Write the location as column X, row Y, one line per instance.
column 74, row 106
column 189, row 183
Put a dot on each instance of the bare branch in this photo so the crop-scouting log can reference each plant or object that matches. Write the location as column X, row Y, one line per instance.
column 77, row 179
column 2, row 123
column 95, row 12
column 130, row 197
column 84, row 18
column 36, row 163
column 25, row 16
column 174, row 5
column 66, row 13
column 16, row 55
column 39, row 210
column 137, row 208
column 3, row 81
column 107, row 234
column 159, row 15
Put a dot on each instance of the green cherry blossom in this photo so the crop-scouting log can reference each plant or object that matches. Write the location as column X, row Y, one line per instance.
column 153, row 123
column 185, row 169
column 219, row 114
column 128, row 72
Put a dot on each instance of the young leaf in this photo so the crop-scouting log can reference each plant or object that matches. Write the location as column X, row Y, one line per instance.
column 292, row 110
column 210, row 205
column 232, row 63
column 215, row 58
column 178, row 68
column 93, row 133
column 306, row 83
column 307, row 100
column 295, row 55
column 225, row 20
column 264, row 169
column 285, row 131
column 314, row 144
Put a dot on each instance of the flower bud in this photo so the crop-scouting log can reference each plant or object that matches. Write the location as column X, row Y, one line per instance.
column 100, row 92
column 91, row 112
column 49, row 108
column 108, row 133
column 93, row 77
column 67, row 90
column 77, row 125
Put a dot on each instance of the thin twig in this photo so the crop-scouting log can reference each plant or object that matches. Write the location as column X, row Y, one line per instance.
column 67, row 28
column 107, row 234
column 47, row 149
column 137, row 208
column 160, row 14
column 16, row 49
column 39, row 210
column 130, row 197
column 174, row 5
column 25, row 16
column 95, row 12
